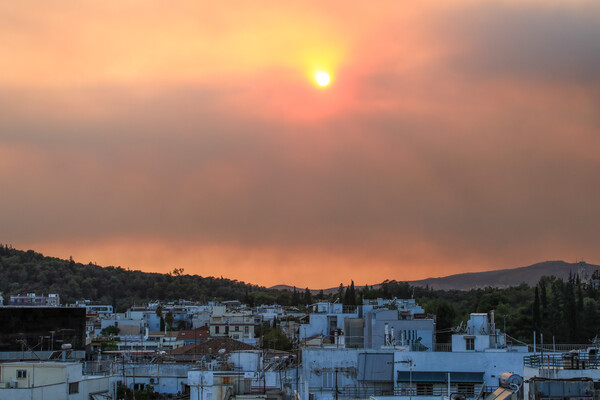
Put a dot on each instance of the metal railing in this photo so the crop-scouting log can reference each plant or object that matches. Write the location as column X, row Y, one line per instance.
column 572, row 360
column 365, row 392
column 556, row 347
column 443, row 347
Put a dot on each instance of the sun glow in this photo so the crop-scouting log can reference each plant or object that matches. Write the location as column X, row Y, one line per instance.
column 322, row 78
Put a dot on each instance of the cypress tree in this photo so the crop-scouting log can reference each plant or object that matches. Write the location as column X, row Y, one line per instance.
column 536, row 311
column 347, row 296
column 544, row 303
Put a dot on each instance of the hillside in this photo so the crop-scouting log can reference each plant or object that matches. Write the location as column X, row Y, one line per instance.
column 29, row 271
column 501, row 278
column 505, row 277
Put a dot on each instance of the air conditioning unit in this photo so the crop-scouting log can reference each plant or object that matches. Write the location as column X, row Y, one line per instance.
column 13, row 384
column 153, row 381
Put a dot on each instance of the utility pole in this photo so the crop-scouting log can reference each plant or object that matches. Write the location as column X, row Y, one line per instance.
column 297, row 358
column 336, row 384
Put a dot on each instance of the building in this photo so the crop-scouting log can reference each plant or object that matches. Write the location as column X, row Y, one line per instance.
column 52, row 381
column 31, row 299
column 236, row 323
column 41, row 330
column 326, row 321
column 404, row 372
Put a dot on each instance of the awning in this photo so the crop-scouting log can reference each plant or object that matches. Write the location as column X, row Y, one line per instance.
column 440, row 376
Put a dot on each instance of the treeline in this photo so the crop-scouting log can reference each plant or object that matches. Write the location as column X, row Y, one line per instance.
column 563, row 311
column 566, row 310
column 28, row 271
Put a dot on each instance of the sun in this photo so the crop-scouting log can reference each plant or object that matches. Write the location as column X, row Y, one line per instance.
column 322, row 78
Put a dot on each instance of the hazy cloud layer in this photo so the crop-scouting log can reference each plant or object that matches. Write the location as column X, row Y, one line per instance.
column 454, row 138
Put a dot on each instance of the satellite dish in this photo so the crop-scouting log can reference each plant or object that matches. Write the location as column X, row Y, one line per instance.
column 222, row 351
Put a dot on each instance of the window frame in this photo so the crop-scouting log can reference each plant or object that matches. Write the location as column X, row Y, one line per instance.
column 73, row 387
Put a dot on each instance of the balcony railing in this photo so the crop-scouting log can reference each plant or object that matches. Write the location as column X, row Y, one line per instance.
column 571, row 360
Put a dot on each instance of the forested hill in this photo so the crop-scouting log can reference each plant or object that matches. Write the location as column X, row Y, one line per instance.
column 28, row 271
column 567, row 310
column 504, row 278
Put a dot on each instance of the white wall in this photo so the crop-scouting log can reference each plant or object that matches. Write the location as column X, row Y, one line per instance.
column 492, row 364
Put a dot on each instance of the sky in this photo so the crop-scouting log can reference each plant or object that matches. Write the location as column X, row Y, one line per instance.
column 455, row 136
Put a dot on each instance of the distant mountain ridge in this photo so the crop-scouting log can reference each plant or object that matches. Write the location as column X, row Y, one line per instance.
column 506, row 277
column 501, row 278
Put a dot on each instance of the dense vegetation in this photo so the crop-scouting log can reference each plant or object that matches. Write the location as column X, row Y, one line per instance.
column 567, row 311
column 27, row 271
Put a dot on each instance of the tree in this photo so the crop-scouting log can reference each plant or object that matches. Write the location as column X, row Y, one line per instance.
column 536, row 311
column 110, row 330
column 169, row 320
column 544, row 304
column 307, row 297
column 340, row 294
column 276, row 339
column 295, row 297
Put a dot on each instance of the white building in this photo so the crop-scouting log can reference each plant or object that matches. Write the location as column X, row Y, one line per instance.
column 52, row 381
column 399, row 372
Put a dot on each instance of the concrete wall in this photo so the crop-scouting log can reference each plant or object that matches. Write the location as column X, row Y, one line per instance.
column 60, row 391
column 492, row 364
column 201, row 382
column 165, row 378
column 40, row 373
column 414, row 329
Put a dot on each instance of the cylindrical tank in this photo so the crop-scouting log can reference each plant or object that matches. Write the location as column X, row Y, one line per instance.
column 509, row 380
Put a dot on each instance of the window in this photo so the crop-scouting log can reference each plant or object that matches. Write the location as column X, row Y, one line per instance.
column 424, row 389
column 216, row 329
column 246, row 330
column 470, row 342
column 21, row 373
column 466, row 388
column 139, row 386
column 73, row 387
column 328, row 379
column 237, row 328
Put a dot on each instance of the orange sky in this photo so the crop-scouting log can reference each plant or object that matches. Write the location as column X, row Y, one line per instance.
column 455, row 136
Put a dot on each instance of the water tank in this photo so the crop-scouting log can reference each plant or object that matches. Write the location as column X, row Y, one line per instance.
column 510, row 381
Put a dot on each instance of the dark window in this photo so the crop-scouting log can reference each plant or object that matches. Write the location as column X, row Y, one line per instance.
column 470, row 343
column 73, row 387
column 216, row 329
column 139, row 386
column 21, row 373
column 424, row 389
